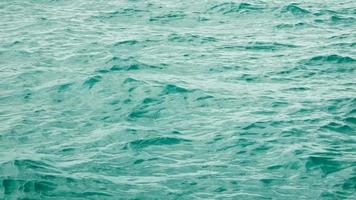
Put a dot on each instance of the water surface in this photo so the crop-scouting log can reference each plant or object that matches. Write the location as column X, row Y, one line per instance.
column 136, row 99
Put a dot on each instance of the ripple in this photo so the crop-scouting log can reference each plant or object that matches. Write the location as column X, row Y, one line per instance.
column 190, row 38
column 294, row 9
column 90, row 82
column 324, row 59
column 272, row 46
column 342, row 128
column 126, row 42
column 144, row 143
column 169, row 17
column 127, row 64
column 231, row 7
column 172, row 89
column 327, row 165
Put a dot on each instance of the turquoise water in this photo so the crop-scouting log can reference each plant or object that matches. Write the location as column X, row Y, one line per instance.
column 177, row 99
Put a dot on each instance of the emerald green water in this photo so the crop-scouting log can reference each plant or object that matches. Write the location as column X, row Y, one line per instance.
column 133, row 99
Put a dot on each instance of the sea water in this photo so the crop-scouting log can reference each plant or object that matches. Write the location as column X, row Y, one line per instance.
column 135, row 99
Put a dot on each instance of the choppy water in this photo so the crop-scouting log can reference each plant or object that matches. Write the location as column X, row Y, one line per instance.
column 177, row 99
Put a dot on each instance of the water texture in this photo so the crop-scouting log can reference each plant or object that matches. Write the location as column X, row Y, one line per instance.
column 133, row 99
